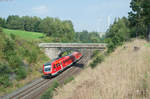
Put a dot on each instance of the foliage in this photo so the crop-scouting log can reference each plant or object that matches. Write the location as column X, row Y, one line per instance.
column 21, row 73
column 10, row 54
column 95, row 53
column 32, row 55
column 16, row 55
column 5, row 70
column 68, row 80
column 4, row 81
column 31, row 23
column 97, row 60
column 49, row 93
column 139, row 17
column 117, row 33
column 57, row 30
column 2, row 22
column 87, row 37
column 14, row 22
column 61, row 31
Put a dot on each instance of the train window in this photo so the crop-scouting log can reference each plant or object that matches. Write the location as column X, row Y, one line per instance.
column 58, row 65
column 54, row 66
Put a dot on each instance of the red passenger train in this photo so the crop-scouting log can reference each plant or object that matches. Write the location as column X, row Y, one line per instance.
column 59, row 64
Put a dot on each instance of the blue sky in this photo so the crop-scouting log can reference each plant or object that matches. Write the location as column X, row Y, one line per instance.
column 91, row 15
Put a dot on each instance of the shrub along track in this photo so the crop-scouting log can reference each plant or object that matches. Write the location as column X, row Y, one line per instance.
column 36, row 88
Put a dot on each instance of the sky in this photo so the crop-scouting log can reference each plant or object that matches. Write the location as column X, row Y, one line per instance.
column 91, row 15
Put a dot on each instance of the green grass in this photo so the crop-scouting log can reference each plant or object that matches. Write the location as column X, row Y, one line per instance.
column 24, row 34
column 49, row 93
column 147, row 45
column 20, row 56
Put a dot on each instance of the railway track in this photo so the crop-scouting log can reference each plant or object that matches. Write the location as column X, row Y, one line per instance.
column 36, row 88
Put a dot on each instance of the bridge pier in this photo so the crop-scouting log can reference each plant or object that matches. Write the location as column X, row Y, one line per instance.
column 52, row 52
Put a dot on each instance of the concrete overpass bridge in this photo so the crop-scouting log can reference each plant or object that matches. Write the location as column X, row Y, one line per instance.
column 53, row 49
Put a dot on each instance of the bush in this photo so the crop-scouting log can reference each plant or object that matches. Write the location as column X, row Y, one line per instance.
column 111, row 47
column 49, row 93
column 4, row 81
column 21, row 73
column 31, row 53
column 34, row 55
column 32, row 58
column 95, row 53
column 68, row 80
column 5, row 70
column 117, row 33
column 96, row 61
column 14, row 61
column 13, row 36
column 10, row 54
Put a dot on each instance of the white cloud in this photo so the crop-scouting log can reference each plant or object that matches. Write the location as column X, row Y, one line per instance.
column 42, row 9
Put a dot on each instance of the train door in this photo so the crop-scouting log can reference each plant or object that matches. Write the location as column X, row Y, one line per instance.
column 58, row 66
column 54, row 68
column 72, row 57
column 61, row 65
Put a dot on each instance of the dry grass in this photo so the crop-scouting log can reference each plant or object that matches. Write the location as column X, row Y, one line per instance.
column 125, row 74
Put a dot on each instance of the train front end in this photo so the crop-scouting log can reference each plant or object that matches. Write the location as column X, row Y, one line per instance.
column 47, row 68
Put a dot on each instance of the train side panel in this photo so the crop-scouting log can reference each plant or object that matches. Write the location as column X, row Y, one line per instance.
column 77, row 55
column 61, row 63
column 67, row 61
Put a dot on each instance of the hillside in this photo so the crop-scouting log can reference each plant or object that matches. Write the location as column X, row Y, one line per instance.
column 20, row 61
column 24, row 34
column 125, row 74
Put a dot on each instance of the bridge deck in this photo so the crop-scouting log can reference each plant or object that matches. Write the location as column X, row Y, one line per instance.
column 72, row 45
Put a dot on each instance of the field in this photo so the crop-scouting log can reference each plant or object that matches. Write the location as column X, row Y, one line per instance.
column 25, row 34
column 123, row 75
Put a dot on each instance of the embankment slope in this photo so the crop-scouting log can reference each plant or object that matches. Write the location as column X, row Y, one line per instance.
column 125, row 74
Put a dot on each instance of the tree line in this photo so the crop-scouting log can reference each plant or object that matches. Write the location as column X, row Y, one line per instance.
column 88, row 37
column 59, row 30
column 50, row 26
column 139, row 17
column 137, row 24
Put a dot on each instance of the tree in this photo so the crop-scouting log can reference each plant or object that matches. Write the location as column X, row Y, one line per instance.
column 84, row 37
column 87, row 37
column 119, row 28
column 2, row 22
column 117, row 33
column 61, row 31
column 14, row 22
column 94, row 37
column 36, row 23
column 31, row 23
column 68, row 31
column 140, row 16
column 47, row 26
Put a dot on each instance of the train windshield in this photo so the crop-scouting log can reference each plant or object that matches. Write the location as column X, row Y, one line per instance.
column 47, row 67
